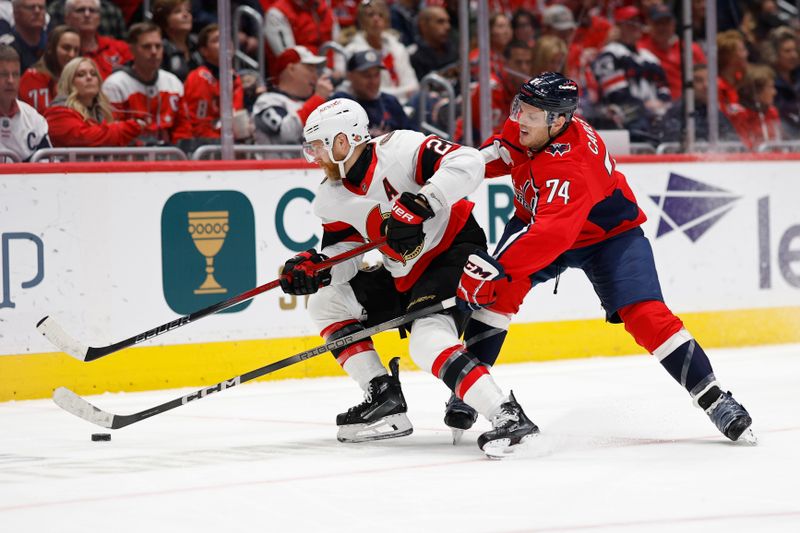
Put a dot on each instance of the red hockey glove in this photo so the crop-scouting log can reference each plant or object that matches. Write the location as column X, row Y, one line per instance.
column 478, row 282
column 298, row 278
column 404, row 228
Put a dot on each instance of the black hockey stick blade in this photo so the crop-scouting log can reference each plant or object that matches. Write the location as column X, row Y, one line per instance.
column 70, row 345
column 78, row 406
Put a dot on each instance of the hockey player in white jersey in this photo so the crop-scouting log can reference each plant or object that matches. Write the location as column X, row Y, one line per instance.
column 410, row 188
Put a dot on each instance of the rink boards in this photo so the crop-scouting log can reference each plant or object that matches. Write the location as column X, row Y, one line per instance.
column 112, row 250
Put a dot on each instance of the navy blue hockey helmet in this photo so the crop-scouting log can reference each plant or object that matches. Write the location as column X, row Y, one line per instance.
column 551, row 92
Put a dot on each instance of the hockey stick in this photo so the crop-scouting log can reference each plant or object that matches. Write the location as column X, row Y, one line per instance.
column 68, row 344
column 78, row 406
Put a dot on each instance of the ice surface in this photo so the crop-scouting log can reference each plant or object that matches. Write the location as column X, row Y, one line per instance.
column 622, row 449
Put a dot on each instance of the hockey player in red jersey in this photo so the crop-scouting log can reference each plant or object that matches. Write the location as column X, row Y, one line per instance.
column 573, row 208
column 410, row 188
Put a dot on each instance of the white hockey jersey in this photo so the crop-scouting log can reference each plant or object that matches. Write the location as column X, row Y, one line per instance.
column 353, row 209
column 24, row 132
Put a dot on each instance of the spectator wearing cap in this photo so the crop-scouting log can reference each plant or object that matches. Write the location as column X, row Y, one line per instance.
column 398, row 77
column 202, row 89
column 112, row 21
column 22, row 129
column 664, row 43
column 298, row 89
column 558, row 20
column 108, row 53
column 287, row 23
column 633, row 87
column 384, row 110
column 38, row 84
column 28, row 36
column 435, row 49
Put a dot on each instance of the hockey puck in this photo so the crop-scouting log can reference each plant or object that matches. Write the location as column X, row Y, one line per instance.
column 101, row 436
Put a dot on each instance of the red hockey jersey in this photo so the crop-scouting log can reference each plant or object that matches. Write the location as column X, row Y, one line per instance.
column 37, row 88
column 160, row 103
column 202, row 100
column 570, row 194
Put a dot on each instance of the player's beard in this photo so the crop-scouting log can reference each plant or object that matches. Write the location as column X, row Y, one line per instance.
column 330, row 169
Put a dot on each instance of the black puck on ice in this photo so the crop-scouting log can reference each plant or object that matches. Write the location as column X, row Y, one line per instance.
column 101, row 436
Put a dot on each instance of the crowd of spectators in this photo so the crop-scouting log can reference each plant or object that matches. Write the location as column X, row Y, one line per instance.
column 99, row 73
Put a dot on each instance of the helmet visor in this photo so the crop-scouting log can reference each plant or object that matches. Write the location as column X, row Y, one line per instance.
column 313, row 151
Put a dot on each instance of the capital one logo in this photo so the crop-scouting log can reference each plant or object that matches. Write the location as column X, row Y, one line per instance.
column 207, row 249
column 691, row 207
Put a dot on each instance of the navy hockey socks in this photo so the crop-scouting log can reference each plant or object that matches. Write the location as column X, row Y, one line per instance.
column 690, row 367
column 484, row 341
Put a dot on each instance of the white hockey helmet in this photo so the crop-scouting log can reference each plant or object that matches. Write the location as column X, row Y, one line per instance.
column 341, row 115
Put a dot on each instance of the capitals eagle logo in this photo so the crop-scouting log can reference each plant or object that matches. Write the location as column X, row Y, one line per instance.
column 558, row 149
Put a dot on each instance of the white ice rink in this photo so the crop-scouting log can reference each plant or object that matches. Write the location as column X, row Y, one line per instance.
column 622, row 449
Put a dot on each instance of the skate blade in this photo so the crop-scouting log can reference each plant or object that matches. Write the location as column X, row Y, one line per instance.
column 748, row 438
column 389, row 427
column 502, row 448
column 457, row 435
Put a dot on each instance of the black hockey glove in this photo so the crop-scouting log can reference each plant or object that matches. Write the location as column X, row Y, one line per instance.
column 298, row 278
column 404, row 228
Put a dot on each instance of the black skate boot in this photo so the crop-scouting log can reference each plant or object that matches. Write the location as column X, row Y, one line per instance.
column 510, row 429
column 730, row 417
column 382, row 414
column 459, row 417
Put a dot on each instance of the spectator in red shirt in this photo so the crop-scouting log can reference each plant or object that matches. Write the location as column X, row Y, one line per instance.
column 202, row 88
column 38, row 84
column 732, row 65
column 81, row 115
column 666, row 46
column 757, row 121
column 142, row 90
column 106, row 52
column 297, row 22
column 519, row 58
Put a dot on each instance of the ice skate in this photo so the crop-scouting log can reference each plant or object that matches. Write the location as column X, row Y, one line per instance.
column 730, row 417
column 382, row 414
column 511, row 430
column 459, row 417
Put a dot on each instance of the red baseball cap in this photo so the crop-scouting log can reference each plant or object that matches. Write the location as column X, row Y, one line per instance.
column 297, row 54
column 627, row 14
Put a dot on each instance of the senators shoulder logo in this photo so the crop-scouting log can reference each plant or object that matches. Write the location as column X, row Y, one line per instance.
column 558, row 149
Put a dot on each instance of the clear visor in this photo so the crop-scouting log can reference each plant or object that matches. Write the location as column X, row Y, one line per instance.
column 313, row 151
column 528, row 114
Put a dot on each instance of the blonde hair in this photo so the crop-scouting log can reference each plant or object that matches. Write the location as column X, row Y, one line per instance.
column 545, row 49
column 100, row 109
